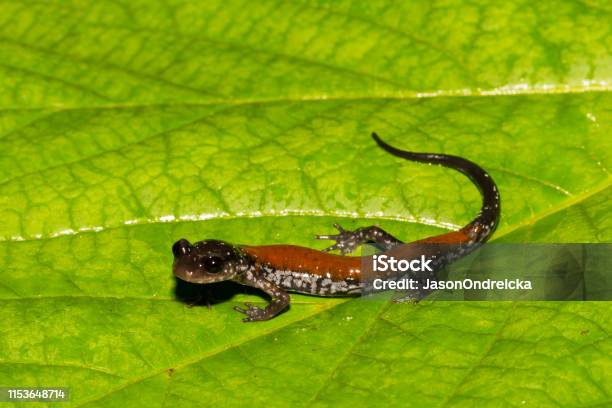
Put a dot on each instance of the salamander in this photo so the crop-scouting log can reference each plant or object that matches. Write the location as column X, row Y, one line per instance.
column 279, row 269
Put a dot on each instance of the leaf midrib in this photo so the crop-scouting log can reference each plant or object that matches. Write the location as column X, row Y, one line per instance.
column 562, row 205
column 502, row 91
column 570, row 201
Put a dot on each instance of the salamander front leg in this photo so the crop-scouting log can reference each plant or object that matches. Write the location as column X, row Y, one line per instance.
column 348, row 241
column 279, row 299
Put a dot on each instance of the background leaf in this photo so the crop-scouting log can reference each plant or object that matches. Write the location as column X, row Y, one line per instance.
column 127, row 125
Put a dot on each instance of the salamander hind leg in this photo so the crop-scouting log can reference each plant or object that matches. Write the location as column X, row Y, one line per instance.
column 348, row 241
column 413, row 297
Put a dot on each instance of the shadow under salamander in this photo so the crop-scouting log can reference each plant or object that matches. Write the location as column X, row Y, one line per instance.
column 194, row 294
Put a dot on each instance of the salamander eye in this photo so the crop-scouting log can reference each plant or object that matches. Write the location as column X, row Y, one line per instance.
column 212, row 264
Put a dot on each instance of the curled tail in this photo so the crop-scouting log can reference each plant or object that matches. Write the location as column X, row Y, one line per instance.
column 480, row 228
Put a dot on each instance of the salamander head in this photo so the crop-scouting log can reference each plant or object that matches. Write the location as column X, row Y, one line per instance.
column 205, row 261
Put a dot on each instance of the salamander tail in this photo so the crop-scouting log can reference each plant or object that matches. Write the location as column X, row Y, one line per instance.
column 487, row 219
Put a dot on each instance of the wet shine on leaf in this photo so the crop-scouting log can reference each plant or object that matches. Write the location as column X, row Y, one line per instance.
column 127, row 125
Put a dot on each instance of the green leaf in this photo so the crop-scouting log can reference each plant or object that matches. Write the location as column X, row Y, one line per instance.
column 127, row 125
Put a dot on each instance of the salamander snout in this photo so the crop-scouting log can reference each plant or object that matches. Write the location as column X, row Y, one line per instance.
column 181, row 247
